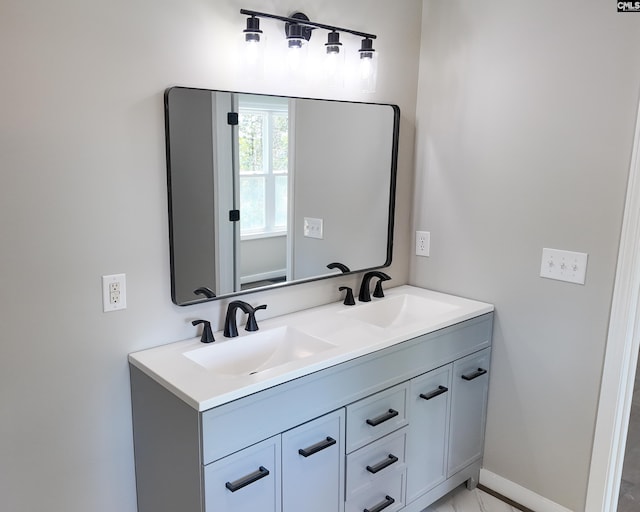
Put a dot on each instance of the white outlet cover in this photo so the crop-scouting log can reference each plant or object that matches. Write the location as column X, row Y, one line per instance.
column 563, row 265
column 423, row 243
column 120, row 281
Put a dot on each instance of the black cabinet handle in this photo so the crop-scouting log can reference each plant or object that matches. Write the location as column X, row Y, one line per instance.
column 246, row 480
column 434, row 393
column 388, row 501
column 382, row 418
column 315, row 448
column 391, row 459
column 474, row 375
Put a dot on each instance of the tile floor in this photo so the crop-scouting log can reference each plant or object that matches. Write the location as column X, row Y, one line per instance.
column 462, row 500
column 629, row 498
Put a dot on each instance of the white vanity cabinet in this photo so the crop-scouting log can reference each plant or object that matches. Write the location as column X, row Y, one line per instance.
column 391, row 430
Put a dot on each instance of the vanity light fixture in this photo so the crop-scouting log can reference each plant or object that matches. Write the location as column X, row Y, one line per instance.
column 298, row 29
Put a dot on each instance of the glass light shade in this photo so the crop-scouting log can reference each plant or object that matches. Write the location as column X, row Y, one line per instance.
column 296, row 48
column 334, row 61
column 368, row 72
column 253, row 47
column 296, row 54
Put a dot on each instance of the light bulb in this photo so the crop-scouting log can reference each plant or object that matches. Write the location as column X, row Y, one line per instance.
column 334, row 60
column 254, row 43
column 368, row 66
column 297, row 48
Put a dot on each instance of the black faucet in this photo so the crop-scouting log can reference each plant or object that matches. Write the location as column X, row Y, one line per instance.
column 365, row 294
column 206, row 291
column 230, row 324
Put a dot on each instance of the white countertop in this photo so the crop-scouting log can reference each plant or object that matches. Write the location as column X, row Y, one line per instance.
column 341, row 326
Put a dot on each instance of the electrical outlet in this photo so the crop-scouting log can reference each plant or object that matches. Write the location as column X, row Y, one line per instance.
column 423, row 243
column 114, row 292
column 564, row 265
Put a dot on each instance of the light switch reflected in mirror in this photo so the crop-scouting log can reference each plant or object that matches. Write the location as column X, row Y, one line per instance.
column 247, row 172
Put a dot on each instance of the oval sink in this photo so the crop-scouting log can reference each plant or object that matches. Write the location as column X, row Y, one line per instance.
column 257, row 352
column 398, row 310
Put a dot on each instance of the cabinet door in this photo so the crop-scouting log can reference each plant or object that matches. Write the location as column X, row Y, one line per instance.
column 468, row 410
column 313, row 465
column 429, row 405
column 248, row 480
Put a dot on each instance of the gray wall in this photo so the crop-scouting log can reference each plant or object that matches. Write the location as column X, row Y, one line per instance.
column 192, row 189
column 526, row 113
column 263, row 255
column 83, row 194
column 327, row 162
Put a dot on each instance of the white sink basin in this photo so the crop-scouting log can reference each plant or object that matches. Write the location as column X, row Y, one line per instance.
column 256, row 352
column 404, row 309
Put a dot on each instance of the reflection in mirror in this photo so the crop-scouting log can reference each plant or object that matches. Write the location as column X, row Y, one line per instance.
column 268, row 190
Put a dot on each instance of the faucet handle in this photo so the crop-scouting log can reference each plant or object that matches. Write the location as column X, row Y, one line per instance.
column 252, row 324
column 348, row 299
column 378, row 292
column 207, row 333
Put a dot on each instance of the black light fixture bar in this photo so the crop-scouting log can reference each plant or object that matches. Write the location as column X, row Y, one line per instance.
column 309, row 23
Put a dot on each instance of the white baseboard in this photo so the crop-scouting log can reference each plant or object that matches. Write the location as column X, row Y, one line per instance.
column 518, row 493
column 264, row 276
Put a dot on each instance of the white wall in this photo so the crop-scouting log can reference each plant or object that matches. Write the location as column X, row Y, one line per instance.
column 524, row 134
column 83, row 194
column 263, row 256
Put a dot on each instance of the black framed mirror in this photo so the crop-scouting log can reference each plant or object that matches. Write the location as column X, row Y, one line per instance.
column 267, row 191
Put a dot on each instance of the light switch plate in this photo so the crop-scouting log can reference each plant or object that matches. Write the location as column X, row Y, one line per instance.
column 313, row 228
column 564, row 265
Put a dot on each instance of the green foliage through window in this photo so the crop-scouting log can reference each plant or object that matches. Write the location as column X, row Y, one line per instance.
column 263, row 135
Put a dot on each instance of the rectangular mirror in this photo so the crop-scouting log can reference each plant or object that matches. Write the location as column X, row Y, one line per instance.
column 266, row 190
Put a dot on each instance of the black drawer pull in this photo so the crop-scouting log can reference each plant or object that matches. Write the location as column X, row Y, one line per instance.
column 315, row 448
column 382, row 418
column 434, row 393
column 246, row 480
column 388, row 501
column 474, row 375
column 391, row 459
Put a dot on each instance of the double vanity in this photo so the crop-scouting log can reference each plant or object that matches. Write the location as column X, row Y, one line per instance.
column 372, row 407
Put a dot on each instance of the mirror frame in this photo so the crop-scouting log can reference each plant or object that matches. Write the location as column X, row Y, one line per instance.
column 391, row 209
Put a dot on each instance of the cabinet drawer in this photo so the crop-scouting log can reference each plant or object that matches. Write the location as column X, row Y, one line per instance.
column 375, row 416
column 246, row 480
column 369, row 465
column 387, row 495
